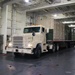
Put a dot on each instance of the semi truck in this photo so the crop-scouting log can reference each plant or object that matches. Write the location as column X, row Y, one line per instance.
column 35, row 40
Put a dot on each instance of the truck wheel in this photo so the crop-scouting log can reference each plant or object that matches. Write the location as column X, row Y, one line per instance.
column 37, row 52
column 16, row 54
column 57, row 48
column 54, row 49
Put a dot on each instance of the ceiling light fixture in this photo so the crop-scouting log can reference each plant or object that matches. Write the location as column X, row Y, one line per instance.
column 68, row 22
column 55, row 15
column 26, row 1
column 71, row 25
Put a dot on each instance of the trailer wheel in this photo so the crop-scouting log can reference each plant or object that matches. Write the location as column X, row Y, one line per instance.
column 54, row 48
column 37, row 52
column 57, row 48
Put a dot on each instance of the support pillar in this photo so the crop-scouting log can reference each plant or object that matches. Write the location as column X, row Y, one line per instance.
column 4, row 26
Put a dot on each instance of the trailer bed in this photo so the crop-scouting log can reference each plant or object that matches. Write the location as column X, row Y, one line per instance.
column 61, row 43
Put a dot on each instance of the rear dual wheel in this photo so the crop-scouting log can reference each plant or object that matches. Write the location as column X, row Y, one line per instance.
column 55, row 48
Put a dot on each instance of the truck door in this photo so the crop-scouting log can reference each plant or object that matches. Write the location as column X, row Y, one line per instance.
column 44, row 37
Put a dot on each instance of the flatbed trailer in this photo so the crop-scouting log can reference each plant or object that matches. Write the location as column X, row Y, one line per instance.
column 60, row 44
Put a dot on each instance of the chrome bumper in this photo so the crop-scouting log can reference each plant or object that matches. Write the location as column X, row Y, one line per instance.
column 23, row 50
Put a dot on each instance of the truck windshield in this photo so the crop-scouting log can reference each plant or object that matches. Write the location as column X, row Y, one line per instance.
column 31, row 29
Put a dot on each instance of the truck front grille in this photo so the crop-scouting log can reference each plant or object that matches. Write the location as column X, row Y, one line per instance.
column 18, row 41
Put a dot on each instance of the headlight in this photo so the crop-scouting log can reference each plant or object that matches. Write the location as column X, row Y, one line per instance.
column 10, row 44
column 30, row 45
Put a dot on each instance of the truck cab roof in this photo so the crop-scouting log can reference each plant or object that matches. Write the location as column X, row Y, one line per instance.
column 35, row 26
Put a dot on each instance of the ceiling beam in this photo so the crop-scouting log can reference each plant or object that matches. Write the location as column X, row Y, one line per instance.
column 52, row 6
column 56, row 12
column 63, row 12
column 4, row 2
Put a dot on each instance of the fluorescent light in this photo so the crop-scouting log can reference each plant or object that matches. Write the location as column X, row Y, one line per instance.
column 26, row 1
column 68, row 22
column 55, row 15
column 71, row 25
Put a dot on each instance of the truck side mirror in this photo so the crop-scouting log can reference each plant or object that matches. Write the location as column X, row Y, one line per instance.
column 33, row 33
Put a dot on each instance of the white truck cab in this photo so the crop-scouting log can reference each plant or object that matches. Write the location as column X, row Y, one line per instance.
column 33, row 41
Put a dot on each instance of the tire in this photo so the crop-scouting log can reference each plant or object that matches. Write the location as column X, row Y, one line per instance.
column 57, row 48
column 48, row 49
column 16, row 54
column 54, row 49
column 37, row 52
